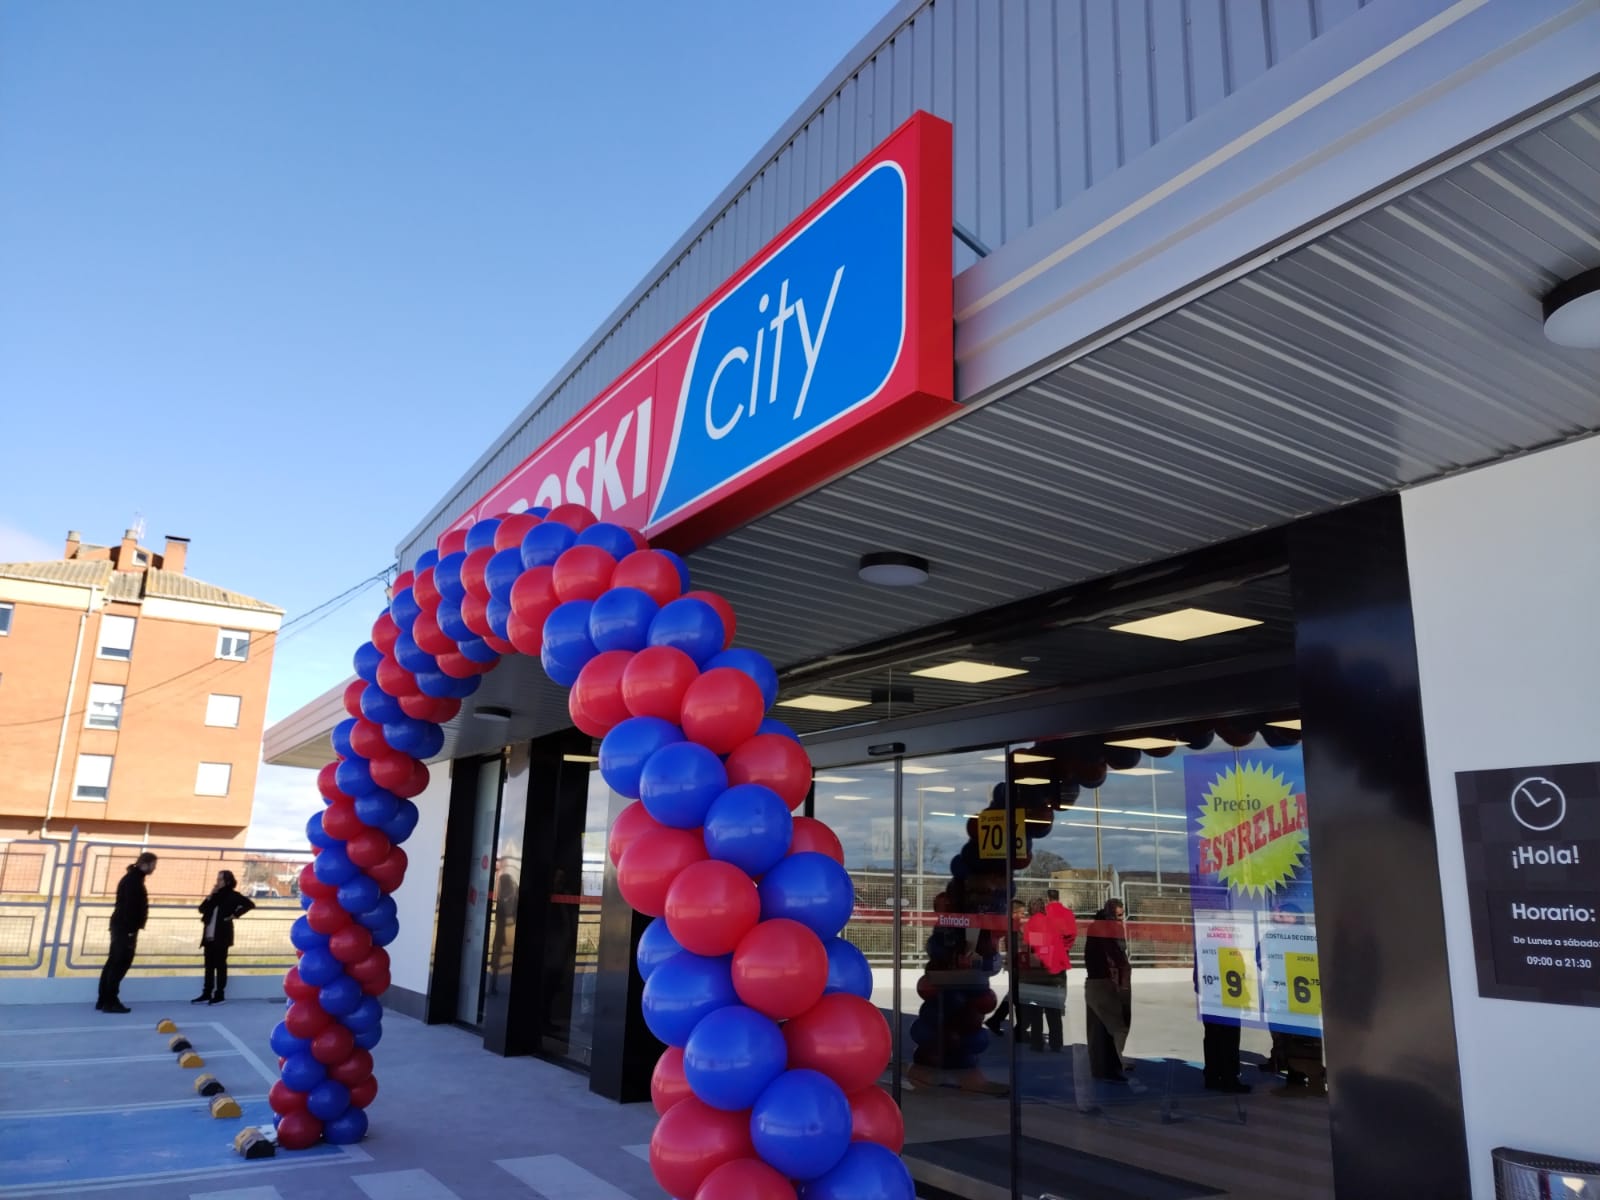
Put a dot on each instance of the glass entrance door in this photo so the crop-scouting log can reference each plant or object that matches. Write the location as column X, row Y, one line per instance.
column 480, row 894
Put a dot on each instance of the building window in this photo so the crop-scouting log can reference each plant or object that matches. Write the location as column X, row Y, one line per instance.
column 5, row 619
column 212, row 779
column 93, row 779
column 222, row 711
column 116, row 637
column 234, row 644
column 105, row 706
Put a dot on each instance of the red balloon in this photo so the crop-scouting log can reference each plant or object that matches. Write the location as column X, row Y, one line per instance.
column 582, row 573
column 780, row 968
column 389, row 874
column 574, row 516
column 314, row 887
column 710, row 906
column 284, row 1099
column 650, row 864
column 326, row 917
column 721, row 709
column 299, row 1130
column 396, row 680
column 458, row 665
column 631, row 823
column 655, row 681
column 401, row 581
column 352, row 696
column 365, row 1092
column 327, row 782
column 306, row 1019
column 385, row 633
column 875, row 1117
column 475, row 615
column 437, row 709
column 724, row 610
column 595, row 700
column 842, row 1036
column 513, row 529
column 366, row 739
column 367, row 848
column 472, row 572
column 296, row 988
column 352, row 1068
column 452, row 541
column 652, row 572
column 398, row 773
column 667, row 1082
column 351, row 944
column 333, row 1045
column 691, row 1140
column 426, row 592
column 745, row 1179
column 527, row 636
column 533, row 599
column 371, row 972
column 779, row 762
column 339, row 820
column 812, row 836
column 426, row 633
column 640, row 542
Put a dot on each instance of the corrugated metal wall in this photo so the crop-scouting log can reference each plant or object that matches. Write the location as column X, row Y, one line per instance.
column 1047, row 97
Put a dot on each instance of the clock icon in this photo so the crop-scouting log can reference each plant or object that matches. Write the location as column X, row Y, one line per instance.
column 1538, row 804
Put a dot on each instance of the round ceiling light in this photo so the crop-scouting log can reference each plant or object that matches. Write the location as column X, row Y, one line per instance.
column 889, row 569
column 491, row 713
column 1572, row 312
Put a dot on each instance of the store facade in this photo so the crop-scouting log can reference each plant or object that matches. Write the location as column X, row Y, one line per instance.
column 1247, row 320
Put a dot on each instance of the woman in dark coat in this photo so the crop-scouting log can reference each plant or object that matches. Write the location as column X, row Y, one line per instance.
column 218, row 911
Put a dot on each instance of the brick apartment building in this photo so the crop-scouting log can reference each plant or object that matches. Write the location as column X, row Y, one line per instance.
column 132, row 696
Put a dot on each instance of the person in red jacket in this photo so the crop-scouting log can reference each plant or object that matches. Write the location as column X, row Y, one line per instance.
column 1050, row 932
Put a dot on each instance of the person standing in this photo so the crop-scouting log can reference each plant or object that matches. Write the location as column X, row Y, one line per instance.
column 217, row 912
column 1107, row 992
column 1044, row 980
column 128, row 916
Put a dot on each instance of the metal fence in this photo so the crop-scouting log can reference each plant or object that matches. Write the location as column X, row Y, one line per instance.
column 56, row 899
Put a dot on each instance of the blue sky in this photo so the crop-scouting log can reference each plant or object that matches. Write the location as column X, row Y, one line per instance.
column 274, row 275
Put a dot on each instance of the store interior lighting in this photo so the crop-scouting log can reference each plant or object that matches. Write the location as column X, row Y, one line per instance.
column 964, row 671
column 816, row 702
column 1185, row 625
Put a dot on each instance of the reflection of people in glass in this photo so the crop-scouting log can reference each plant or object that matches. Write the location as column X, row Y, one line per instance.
column 505, row 919
column 1019, row 914
column 1221, row 1042
column 1294, row 1054
column 1108, row 992
column 1044, row 977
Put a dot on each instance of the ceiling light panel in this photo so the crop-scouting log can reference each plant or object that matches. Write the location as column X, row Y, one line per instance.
column 1186, row 624
column 964, row 671
column 815, row 702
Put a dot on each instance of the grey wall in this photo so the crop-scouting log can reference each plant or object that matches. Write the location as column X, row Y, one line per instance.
column 1047, row 97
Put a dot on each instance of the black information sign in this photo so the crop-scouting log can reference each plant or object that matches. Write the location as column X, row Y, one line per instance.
column 1532, row 840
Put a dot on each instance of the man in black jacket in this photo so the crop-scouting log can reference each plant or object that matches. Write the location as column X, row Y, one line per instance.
column 127, row 919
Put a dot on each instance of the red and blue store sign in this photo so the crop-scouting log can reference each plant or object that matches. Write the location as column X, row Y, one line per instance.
column 831, row 346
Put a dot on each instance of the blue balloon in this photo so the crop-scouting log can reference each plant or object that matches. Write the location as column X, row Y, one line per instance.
column 303, row 937
column 613, row 539
column 340, row 997
column 629, row 745
column 420, row 739
column 398, row 827
column 353, row 777
column 731, row 1057
column 450, row 620
column 801, row 1124
column 306, row 900
column 498, row 614
column 478, row 650
column 441, row 686
column 328, row 1099
column 679, row 782
column 316, row 835
column 656, row 945
column 620, row 619
column 384, row 934
column 754, row 664
column 318, row 966
column 867, row 1171
column 348, row 1128
column 404, row 609
column 383, row 913
column 677, row 562
column 848, row 970
column 340, row 737
column 285, row 1045
column 567, row 645
column 773, row 725
column 412, row 656
column 447, row 577
column 749, row 826
column 379, row 707
column 364, row 1015
column 360, row 895
column 301, row 1071
column 502, row 572
column 376, row 807
column 481, row 535
column 367, row 658
column 333, row 866
column 690, row 625
column 683, row 990
column 428, row 558
column 810, row 888
column 368, row 1038
column 543, row 544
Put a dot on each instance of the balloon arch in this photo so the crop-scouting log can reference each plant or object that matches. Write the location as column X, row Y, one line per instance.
column 768, row 1087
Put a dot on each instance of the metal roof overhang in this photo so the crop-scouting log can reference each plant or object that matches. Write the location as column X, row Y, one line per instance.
column 1261, row 320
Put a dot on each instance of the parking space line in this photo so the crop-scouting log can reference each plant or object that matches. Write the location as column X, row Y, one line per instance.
column 121, row 1058
column 415, row 1184
column 89, row 1110
column 556, row 1177
column 240, row 1048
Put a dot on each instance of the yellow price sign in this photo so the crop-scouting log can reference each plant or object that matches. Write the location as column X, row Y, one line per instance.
column 992, row 834
column 1305, row 983
column 1238, row 990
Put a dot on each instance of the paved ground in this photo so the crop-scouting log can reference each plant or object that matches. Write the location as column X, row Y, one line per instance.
column 96, row 1103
